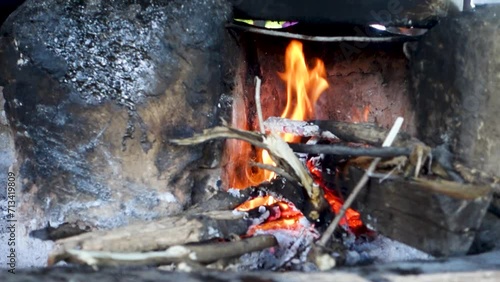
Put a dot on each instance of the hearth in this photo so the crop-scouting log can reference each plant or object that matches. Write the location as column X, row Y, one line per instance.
column 186, row 136
column 334, row 109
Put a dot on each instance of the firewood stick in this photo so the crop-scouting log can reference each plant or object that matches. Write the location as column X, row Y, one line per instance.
column 258, row 105
column 204, row 253
column 384, row 152
column 155, row 235
column 286, row 159
column 224, row 132
column 362, row 182
column 284, row 156
column 365, row 133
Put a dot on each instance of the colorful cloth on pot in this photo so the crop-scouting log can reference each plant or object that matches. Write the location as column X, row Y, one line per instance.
column 267, row 24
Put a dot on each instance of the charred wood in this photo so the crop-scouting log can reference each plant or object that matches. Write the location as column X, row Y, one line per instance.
column 367, row 133
column 282, row 189
column 62, row 231
column 437, row 217
column 371, row 134
column 340, row 150
column 388, row 140
column 221, row 201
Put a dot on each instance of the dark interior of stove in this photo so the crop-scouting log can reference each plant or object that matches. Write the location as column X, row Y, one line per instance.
column 368, row 82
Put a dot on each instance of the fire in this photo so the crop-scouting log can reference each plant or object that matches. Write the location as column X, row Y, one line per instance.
column 283, row 214
column 257, row 202
column 360, row 116
column 303, row 89
column 352, row 218
column 304, row 86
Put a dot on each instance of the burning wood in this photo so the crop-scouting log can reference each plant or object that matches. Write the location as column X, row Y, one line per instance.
column 294, row 127
column 284, row 158
column 363, row 133
column 282, row 155
column 387, row 142
column 272, row 214
column 370, row 134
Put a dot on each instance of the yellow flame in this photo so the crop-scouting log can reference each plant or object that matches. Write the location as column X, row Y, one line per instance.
column 304, row 86
column 303, row 89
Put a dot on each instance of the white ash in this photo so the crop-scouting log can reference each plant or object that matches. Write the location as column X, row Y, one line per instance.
column 382, row 250
column 31, row 252
column 290, row 254
column 296, row 127
column 264, row 215
column 107, row 54
column 212, row 232
column 316, row 161
column 167, row 197
column 328, row 135
column 239, row 213
column 234, row 192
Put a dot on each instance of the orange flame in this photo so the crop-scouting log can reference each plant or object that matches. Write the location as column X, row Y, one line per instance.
column 304, row 86
column 360, row 116
column 285, row 216
column 256, row 202
column 352, row 218
column 303, row 89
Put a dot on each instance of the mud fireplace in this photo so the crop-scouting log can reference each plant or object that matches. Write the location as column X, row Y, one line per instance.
column 199, row 136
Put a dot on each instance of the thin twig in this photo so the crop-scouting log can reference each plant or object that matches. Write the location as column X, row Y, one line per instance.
column 322, row 38
column 258, row 105
column 388, row 142
column 384, row 176
column 223, row 132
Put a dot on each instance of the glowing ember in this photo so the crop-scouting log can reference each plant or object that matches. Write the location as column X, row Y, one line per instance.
column 352, row 218
column 256, row 202
column 282, row 215
column 280, row 224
